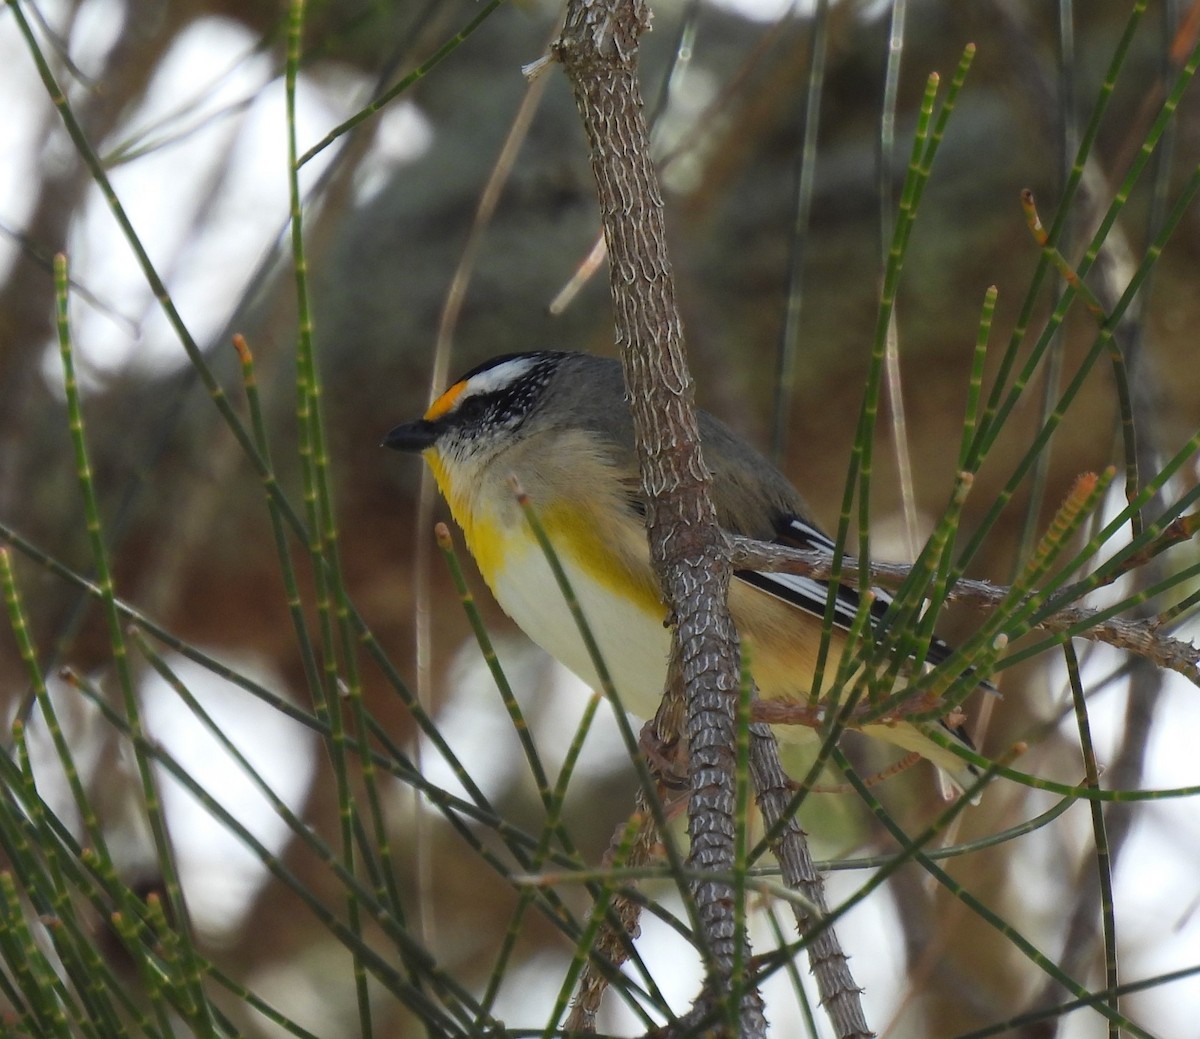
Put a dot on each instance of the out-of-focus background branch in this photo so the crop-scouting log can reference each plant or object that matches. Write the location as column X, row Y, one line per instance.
column 185, row 104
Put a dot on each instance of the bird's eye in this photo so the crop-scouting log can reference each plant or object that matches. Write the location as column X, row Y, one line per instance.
column 471, row 408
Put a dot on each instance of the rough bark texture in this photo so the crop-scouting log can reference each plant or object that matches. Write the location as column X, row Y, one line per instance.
column 839, row 992
column 598, row 50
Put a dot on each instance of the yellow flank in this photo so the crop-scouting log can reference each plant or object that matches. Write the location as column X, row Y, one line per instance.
column 591, row 548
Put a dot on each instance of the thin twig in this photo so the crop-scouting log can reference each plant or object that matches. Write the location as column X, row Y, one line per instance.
column 1144, row 638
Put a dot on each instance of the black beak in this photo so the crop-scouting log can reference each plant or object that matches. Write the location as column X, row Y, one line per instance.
column 412, row 436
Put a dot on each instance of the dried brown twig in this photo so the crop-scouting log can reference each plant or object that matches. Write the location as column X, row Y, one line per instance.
column 1140, row 637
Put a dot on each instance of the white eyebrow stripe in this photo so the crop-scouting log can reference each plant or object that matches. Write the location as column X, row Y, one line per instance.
column 499, row 377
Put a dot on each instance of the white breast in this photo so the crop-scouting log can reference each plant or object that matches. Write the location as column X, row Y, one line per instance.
column 633, row 644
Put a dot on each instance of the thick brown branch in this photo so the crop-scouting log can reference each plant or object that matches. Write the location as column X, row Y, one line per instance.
column 598, row 50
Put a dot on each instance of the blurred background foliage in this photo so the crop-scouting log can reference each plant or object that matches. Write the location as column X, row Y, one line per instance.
column 391, row 208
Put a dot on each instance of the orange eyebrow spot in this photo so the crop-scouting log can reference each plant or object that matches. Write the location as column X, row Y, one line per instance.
column 445, row 402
